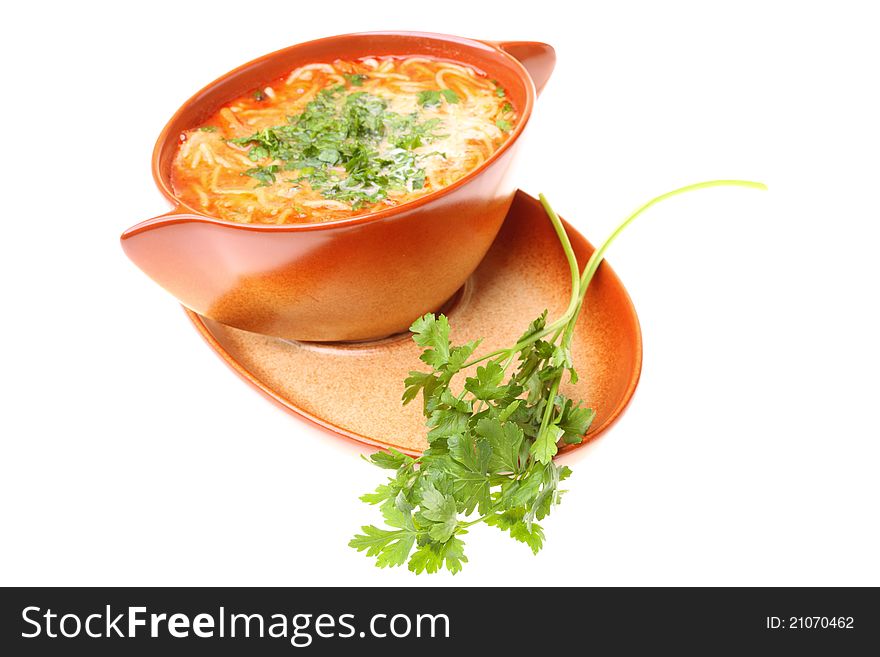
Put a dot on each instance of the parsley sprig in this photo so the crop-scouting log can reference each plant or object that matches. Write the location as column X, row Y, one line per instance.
column 491, row 442
column 354, row 133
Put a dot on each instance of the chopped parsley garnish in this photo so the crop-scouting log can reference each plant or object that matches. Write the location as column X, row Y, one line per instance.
column 450, row 96
column 503, row 125
column 266, row 175
column 355, row 79
column 348, row 147
column 259, row 94
column 507, row 107
column 429, row 98
column 432, row 97
column 208, row 128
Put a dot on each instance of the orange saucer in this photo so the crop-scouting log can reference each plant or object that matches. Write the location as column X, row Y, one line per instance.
column 354, row 389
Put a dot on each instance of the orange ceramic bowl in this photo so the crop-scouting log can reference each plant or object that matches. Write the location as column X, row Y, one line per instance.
column 359, row 278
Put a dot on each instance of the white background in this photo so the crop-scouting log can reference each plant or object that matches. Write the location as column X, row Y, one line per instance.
column 749, row 455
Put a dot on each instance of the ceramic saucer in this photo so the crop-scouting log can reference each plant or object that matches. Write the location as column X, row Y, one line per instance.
column 354, row 390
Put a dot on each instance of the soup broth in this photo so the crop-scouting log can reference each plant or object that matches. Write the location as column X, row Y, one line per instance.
column 342, row 139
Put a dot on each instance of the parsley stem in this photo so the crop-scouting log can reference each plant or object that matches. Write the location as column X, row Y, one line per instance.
column 495, row 507
column 570, row 316
column 599, row 254
column 573, row 303
column 569, row 255
column 551, row 404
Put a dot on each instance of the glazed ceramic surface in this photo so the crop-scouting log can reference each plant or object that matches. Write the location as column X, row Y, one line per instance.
column 355, row 279
column 354, row 390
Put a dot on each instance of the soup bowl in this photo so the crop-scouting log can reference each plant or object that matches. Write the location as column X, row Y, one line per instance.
column 361, row 278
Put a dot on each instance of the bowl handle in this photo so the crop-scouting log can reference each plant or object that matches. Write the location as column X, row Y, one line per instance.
column 538, row 58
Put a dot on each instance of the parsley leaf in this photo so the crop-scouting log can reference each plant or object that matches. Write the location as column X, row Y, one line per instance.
column 468, row 465
column 391, row 459
column 446, row 422
column 355, row 79
column 505, row 439
column 544, row 448
column 391, row 548
column 575, row 422
column 432, row 97
column 450, row 96
column 441, row 510
column 266, row 175
column 429, row 98
column 433, row 333
column 512, row 522
column 486, row 384
column 430, row 558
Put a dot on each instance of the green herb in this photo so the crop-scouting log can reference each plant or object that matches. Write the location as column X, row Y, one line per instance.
column 429, row 98
column 503, row 125
column 507, row 107
column 491, row 441
column 433, row 97
column 450, row 96
column 208, row 128
column 259, row 94
column 355, row 79
column 499, row 90
column 266, row 175
column 347, row 147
